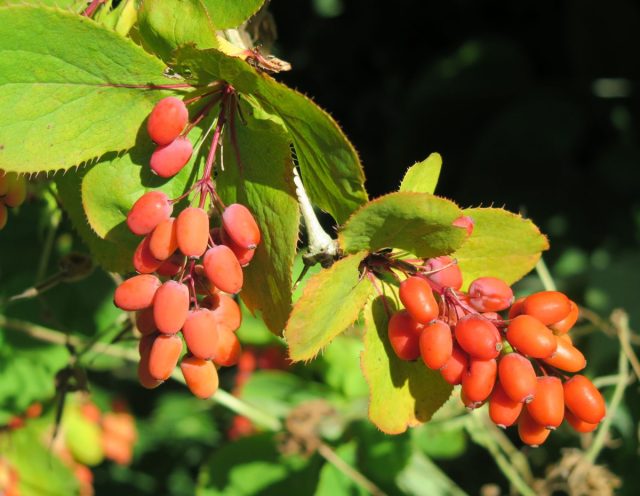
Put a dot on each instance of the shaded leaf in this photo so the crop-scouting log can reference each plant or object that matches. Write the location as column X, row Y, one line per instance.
column 231, row 13
column 422, row 177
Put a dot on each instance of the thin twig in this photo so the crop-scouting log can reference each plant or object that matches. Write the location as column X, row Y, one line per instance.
column 545, row 276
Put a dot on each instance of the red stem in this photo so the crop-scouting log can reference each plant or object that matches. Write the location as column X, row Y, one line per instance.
column 93, row 6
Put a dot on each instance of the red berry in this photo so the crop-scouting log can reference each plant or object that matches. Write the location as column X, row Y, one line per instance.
column 16, row 189
column 478, row 337
column 192, row 231
column 465, row 222
column 163, row 241
column 448, row 277
column 490, row 294
column 404, row 335
column 137, row 292
column 225, row 310
column 417, row 297
column 202, row 283
column 228, row 349
column 200, row 332
column 223, row 269
column 241, row 227
column 200, row 375
column 531, row 337
column 502, row 409
column 171, row 307
column 456, row 366
column 578, row 424
column 168, row 160
column 563, row 326
column 172, row 266
column 530, row 431
column 516, row 308
column 145, row 322
column 436, row 344
column 144, row 375
column 548, row 307
column 151, row 208
column 164, row 355
column 479, row 379
column 566, row 357
column 517, row 377
column 167, row 120
column 143, row 260
column 243, row 255
column 547, row 408
column 584, row 400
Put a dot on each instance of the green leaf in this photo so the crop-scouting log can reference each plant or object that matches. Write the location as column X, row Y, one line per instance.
column 331, row 302
column 59, row 100
column 263, row 182
column 328, row 162
column 401, row 393
column 164, row 25
column 503, row 245
column 422, row 476
column 417, row 222
column 82, row 437
column 440, row 440
column 231, row 13
column 423, row 176
column 332, row 481
column 339, row 366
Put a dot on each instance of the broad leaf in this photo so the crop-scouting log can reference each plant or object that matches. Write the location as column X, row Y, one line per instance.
column 423, row 176
column 328, row 162
column 417, row 222
column 263, row 181
column 64, row 102
column 401, row 393
column 164, row 25
column 503, row 244
column 331, row 302
column 231, row 13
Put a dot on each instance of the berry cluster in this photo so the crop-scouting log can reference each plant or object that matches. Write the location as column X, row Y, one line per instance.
column 518, row 363
column 13, row 192
column 187, row 270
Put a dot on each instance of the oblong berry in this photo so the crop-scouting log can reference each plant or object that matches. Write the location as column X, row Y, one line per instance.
column 478, row 337
column 547, row 306
column 168, row 160
column 244, row 255
column 148, row 211
column 143, row 260
column 583, row 399
column 404, row 335
column 566, row 357
column 200, row 333
column 192, row 231
column 443, row 272
column 502, row 409
column 517, row 377
column 200, row 376
column 436, row 344
column 225, row 310
column 16, row 190
column 240, row 226
column 456, row 366
column 145, row 322
column 228, row 348
column 171, row 306
column 516, row 308
column 144, row 375
column 171, row 266
column 223, row 269
column 417, row 297
column 479, row 379
column 578, row 424
column 202, row 283
column 531, row 337
column 563, row 326
column 137, row 292
column 530, row 431
column 547, row 408
column 163, row 241
column 490, row 294
column 164, row 355
column 167, row 120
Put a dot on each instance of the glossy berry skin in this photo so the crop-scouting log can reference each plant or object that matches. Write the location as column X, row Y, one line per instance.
column 449, row 277
column 240, row 226
column 516, row 308
column 171, row 307
column 502, row 409
column 531, row 337
column 200, row 332
column 455, row 367
column 225, row 310
column 404, row 335
column 145, row 322
column 145, row 378
column 530, row 431
column 143, row 260
column 517, row 377
column 490, row 294
column 547, row 306
column 228, row 349
column 167, row 120
column 578, row 424
column 164, row 355
column 563, row 326
column 479, row 379
column 547, row 408
column 417, row 297
column 584, row 400
column 168, row 160
column 151, row 208
column 243, row 255
column 137, row 292
column 200, row 376
column 223, row 269
column 566, row 357
column 478, row 337
column 163, row 241
column 436, row 344
column 171, row 266
column 192, row 231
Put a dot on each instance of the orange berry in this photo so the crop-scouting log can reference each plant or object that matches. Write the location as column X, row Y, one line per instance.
column 436, row 344
column 455, row 367
column 168, row 160
column 16, row 189
column 531, row 337
column 584, row 400
column 563, row 326
column 144, row 375
column 478, row 337
column 143, row 260
column 502, row 409
column 226, row 311
column 566, row 357
column 490, row 294
column 578, row 424
column 137, row 292
column 516, row 308
column 530, row 431
column 171, row 306
column 547, row 408
column 200, row 375
column 192, row 231
column 223, row 269
column 148, row 211
column 200, row 332
column 240, row 226
column 167, row 120
column 164, row 355
column 547, row 306
column 404, row 335
column 228, row 349
column 244, row 255
column 417, row 297
column 164, row 240
column 144, row 321
column 517, row 377
column 172, row 266
column 479, row 379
